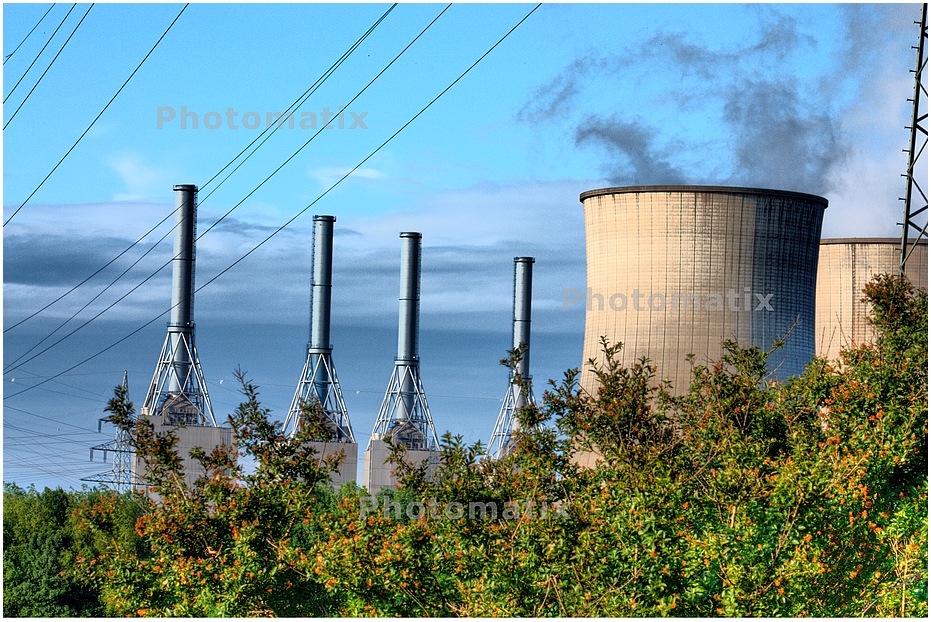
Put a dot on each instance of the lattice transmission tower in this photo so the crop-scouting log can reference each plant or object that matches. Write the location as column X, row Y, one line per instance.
column 916, row 210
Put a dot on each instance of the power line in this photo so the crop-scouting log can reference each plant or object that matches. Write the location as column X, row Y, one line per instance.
column 368, row 157
column 26, row 412
column 62, row 23
column 10, row 55
column 100, row 114
column 294, row 105
column 97, row 396
column 230, row 211
column 296, row 216
column 297, row 103
column 62, row 49
column 319, row 131
column 107, row 308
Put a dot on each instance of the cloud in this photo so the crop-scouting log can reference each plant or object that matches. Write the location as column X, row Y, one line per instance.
column 52, row 260
column 143, row 181
column 470, row 239
column 234, row 225
column 327, row 176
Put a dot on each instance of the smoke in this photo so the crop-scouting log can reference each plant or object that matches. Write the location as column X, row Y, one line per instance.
column 634, row 142
column 779, row 144
column 782, row 108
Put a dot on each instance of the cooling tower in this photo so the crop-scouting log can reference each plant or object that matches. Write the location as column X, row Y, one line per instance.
column 845, row 266
column 676, row 270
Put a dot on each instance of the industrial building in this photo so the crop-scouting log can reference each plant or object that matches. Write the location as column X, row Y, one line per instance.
column 319, row 383
column 519, row 393
column 845, row 266
column 674, row 271
column 177, row 401
column 404, row 415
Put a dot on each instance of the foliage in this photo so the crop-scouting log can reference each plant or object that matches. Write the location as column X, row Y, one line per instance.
column 40, row 538
column 742, row 497
column 229, row 544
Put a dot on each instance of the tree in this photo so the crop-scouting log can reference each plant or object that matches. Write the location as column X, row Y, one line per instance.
column 743, row 497
column 228, row 545
column 36, row 543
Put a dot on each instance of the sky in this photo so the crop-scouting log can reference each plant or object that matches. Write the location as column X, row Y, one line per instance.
column 806, row 97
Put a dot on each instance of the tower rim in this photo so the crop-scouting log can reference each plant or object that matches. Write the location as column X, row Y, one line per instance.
column 588, row 194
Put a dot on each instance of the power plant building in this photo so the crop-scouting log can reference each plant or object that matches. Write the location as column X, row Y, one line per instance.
column 517, row 396
column 845, row 266
column 319, row 383
column 177, row 401
column 676, row 270
column 404, row 416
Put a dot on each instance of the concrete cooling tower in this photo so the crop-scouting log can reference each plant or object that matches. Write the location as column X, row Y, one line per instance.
column 676, row 270
column 844, row 268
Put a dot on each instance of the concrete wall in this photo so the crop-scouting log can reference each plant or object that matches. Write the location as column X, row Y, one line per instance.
column 379, row 473
column 347, row 471
column 844, row 268
column 696, row 257
column 189, row 437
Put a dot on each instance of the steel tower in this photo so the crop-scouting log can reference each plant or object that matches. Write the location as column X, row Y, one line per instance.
column 121, row 466
column 918, row 118
column 178, row 391
column 517, row 396
column 318, row 381
column 404, row 413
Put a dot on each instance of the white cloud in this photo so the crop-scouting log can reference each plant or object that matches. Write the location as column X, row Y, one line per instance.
column 143, row 181
column 327, row 176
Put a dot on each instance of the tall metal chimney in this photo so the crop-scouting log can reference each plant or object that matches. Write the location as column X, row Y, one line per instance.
column 318, row 380
column 408, row 320
column 178, row 383
column 404, row 411
column 182, row 284
column 516, row 397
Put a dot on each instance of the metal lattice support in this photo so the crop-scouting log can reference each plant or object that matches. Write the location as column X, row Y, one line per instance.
column 121, row 466
column 174, row 381
column 318, row 381
column 319, row 384
column 507, row 423
column 404, row 414
column 916, row 152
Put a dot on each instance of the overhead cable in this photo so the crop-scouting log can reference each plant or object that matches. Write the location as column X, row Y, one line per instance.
column 100, row 114
column 60, row 50
column 343, row 178
column 41, row 19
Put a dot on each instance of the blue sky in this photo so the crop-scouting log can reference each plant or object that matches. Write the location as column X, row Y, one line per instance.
column 805, row 97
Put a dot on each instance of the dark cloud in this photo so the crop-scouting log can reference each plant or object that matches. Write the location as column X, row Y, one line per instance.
column 347, row 232
column 635, row 160
column 55, row 260
column 236, row 225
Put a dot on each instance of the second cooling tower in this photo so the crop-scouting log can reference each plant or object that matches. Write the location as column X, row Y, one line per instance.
column 676, row 270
